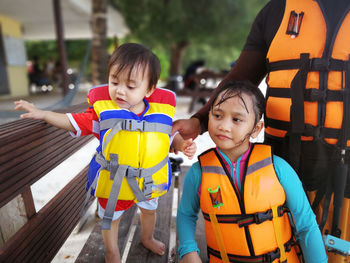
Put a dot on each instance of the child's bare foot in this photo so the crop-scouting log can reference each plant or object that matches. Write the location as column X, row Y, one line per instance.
column 154, row 245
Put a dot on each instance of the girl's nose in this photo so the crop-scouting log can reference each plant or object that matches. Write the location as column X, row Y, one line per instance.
column 224, row 125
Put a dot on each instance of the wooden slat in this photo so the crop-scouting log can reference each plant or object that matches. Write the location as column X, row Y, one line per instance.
column 17, row 128
column 29, row 175
column 33, row 152
column 17, row 147
column 94, row 248
column 39, row 155
column 40, row 239
column 138, row 253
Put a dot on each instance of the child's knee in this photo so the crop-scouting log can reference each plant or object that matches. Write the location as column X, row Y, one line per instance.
column 147, row 212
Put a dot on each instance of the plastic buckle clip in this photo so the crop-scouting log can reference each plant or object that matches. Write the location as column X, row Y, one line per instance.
column 135, row 125
column 147, row 188
column 271, row 256
column 132, row 172
column 262, row 216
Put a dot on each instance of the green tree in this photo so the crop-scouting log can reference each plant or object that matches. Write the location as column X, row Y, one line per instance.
column 177, row 24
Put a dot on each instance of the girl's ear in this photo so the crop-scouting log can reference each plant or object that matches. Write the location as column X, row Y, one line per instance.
column 150, row 91
column 258, row 127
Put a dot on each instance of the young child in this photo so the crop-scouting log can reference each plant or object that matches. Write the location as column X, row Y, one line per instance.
column 132, row 119
column 244, row 192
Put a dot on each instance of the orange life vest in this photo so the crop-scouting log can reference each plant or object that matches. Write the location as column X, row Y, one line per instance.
column 254, row 227
column 309, row 77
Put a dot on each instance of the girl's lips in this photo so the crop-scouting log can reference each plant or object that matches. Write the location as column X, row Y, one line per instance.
column 222, row 137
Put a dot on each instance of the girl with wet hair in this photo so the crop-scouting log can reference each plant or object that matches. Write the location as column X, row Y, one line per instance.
column 246, row 193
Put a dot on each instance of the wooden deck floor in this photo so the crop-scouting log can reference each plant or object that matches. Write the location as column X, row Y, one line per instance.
column 131, row 249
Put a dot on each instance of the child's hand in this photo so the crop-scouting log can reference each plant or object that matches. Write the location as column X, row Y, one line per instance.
column 188, row 148
column 33, row 112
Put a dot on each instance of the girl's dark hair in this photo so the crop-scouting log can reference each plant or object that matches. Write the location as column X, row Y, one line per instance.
column 231, row 89
column 131, row 55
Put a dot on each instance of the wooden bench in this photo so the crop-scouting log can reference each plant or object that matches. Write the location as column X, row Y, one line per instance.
column 29, row 149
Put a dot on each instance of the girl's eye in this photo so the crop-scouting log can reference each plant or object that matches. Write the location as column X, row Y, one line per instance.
column 130, row 87
column 114, row 83
column 216, row 116
column 236, row 120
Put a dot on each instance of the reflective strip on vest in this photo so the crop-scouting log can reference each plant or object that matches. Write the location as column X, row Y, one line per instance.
column 256, row 166
column 213, row 169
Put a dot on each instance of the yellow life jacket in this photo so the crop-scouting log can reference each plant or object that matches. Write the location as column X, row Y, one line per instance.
column 309, row 77
column 133, row 153
column 254, row 228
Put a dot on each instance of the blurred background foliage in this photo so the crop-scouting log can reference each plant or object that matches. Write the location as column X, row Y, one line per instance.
column 212, row 30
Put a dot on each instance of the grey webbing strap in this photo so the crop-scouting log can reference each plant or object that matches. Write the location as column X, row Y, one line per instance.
column 156, row 127
column 118, row 124
column 136, row 189
column 145, row 173
column 118, row 176
column 109, row 123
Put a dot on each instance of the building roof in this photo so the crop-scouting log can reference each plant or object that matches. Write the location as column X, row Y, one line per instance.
column 37, row 18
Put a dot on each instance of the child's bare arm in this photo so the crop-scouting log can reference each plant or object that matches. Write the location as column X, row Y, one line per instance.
column 59, row 120
column 187, row 147
column 191, row 257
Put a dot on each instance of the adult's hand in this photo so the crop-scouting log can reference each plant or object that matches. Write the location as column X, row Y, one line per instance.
column 188, row 128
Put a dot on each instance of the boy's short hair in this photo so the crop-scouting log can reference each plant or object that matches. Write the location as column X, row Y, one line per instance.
column 130, row 55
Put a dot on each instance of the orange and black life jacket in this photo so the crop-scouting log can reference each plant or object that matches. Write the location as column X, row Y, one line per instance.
column 254, row 227
column 308, row 94
column 309, row 77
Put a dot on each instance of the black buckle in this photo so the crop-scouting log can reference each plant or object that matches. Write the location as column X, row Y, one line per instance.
column 271, row 256
column 262, row 216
